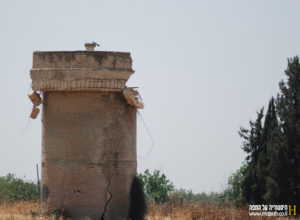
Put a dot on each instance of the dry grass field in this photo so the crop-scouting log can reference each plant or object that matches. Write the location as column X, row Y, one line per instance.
column 30, row 210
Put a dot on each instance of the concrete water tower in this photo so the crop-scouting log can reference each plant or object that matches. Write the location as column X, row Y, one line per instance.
column 88, row 132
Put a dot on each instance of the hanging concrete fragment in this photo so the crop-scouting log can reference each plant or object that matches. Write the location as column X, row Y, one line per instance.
column 35, row 98
column 34, row 113
column 132, row 97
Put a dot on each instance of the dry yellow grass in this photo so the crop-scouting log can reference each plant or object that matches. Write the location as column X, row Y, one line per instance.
column 170, row 211
column 19, row 210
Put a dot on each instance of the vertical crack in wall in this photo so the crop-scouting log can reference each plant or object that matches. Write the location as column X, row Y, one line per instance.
column 108, row 201
column 116, row 164
column 117, row 145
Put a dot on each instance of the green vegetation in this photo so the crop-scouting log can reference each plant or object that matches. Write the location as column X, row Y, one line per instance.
column 159, row 189
column 233, row 192
column 157, row 186
column 188, row 196
column 137, row 205
column 271, row 173
column 15, row 189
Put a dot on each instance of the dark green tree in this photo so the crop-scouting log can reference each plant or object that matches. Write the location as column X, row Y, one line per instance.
column 156, row 185
column 137, row 205
column 288, row 108
column 252, row 146
column 263, row 180
column 273, row 175
column 233, row 192
column 269, row 143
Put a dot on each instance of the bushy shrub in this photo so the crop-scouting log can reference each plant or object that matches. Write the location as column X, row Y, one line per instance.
column 15, row 189
column 157, row 186
column 188, row 196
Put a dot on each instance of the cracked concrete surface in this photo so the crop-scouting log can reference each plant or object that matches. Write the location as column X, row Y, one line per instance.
column 88, row 132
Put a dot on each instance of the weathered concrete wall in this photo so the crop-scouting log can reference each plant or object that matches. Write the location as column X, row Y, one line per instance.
column 89, row 132
column 80, row 71
column 89, row 141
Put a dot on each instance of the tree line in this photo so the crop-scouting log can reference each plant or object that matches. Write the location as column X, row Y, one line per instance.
column 271, row 171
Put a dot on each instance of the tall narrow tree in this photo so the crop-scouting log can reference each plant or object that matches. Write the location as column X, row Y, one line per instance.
column 288, row 107
column 273, row 160
column 272, row 175
column 252, row 146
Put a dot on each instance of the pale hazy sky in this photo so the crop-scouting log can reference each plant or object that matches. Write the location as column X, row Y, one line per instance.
column 203, row 68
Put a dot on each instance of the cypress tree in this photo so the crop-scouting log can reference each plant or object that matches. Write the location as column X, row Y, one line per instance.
column 273, row 175
column 137, row 206
column 288, row 108
column 252, row 146
column 263, row 160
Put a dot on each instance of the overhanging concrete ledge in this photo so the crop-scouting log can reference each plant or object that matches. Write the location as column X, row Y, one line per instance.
column 80, row 70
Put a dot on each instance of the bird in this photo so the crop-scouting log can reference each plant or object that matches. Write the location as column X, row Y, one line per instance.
column 96, row 44
column 91, row 46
